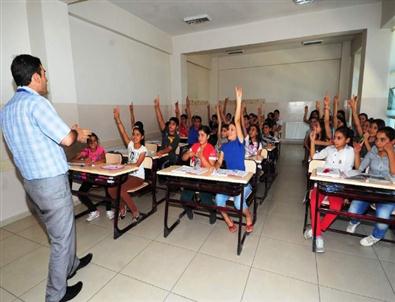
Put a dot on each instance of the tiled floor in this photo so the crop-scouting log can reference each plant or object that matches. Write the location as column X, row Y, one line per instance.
column 198, row 261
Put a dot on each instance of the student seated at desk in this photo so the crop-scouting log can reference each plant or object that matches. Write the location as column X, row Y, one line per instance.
column 338, row 156
column 267, row 137
column 253, row 144
column 184, row 122
column 170, row 138
column 196, row 122
column 136, row 156
column 222, row 131
column 93, row 154
column 201, row 155
column 381, row 162
column 233, row 154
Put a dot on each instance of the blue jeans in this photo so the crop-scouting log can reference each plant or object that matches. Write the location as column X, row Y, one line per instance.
column 383, row 210
column 220, row 199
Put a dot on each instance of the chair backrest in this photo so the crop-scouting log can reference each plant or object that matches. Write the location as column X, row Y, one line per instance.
column 264, row 153
column 151, row 147
column 316, row 163
column 113, row 158
column 250, row 165
column 147, row 163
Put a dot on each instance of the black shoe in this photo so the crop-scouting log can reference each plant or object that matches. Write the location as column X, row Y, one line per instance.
column 189, row 213
column 84, row 261
column 72, row 291
column 213, row 217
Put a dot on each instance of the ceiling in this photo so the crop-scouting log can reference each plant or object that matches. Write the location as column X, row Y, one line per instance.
column 168, row 15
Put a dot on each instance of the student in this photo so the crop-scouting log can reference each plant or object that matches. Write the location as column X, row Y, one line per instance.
column 267, row 137
column 222, row 130
column 278, row 121
column 233, row 154
column 193, row 133
column 93, row 154
column 381, row 162
column 227, row 117
column 184, row 122
column 313, row 114
column 370, row 137
column 338, row 156
column 201, row 155
column 253, row 144
column 136, row 155
column 170, row 138
column 213, row 124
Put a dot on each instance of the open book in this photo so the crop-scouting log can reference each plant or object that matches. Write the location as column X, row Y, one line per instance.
column 225, row 172
column 322, row 171
column 356, row 174
column 191, row 170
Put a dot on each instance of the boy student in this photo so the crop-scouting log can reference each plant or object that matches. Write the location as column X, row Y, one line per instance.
column 193, row 133
column 170, row 138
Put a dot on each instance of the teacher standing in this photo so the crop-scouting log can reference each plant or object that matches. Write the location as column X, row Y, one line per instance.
column 34, row 133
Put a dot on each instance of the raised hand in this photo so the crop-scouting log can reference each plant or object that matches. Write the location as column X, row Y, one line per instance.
column 157, row 101
column 306, row 109
column 177, row 107
column 366, row 136
column 116, row 113
column 318, row 105
column 313, row 135
column 82, row 134
column 131, row 107
column 188, row 102
column 239, row 93
column 326, row 102
column 336, row 100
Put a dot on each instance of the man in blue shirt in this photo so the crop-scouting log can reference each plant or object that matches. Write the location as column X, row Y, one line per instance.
column 34, row 133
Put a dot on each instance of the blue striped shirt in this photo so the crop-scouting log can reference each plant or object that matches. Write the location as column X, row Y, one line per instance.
column 33, row 131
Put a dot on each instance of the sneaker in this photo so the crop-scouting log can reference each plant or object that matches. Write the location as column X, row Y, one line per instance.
column 110, row 214
column 93, row 215
column 308, row 234
column 319, row 245
column 369, row 241
column 352, row 227
column 71, row 292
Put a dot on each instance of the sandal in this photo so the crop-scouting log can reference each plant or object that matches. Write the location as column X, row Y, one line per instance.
column 232, row 228
column 249, row 228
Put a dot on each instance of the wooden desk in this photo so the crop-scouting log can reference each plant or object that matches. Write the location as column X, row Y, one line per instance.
column 370, row 191
column 106, row 178
column 229, row 185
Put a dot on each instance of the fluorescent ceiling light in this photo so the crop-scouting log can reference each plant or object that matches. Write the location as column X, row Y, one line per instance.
column 303, row 2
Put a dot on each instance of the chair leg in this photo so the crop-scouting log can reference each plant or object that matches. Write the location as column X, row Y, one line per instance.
column 306, row 213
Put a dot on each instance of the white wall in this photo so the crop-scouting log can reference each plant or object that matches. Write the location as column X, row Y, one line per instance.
column 342, row 20
column 198, row 81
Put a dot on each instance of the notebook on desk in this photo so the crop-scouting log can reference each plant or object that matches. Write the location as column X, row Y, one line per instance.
column 322, row 171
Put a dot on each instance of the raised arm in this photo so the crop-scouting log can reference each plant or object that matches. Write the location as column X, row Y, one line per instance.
column 318, row 107
column 221, row 113
column 357, row 155
column 243, row 126
column 224, row 109
column 159, row 115
column 177, row 111
column 189, row 113
column 218, row 108
column 121, row 128
column 335, row 107
column 326, row 117
column 261, row 116
column 352, row 103
column 208, row 114
column 239, row 131
column 306, row 111
column 313, row 134
column 132, row 119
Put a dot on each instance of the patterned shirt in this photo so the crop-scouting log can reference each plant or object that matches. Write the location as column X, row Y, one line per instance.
column 33, row 131
column 378, row 165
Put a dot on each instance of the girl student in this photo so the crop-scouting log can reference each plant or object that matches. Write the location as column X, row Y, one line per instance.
column 93, row 154
column 222, row 129
column 253, row 143
column 184, row 122
column 136, row 155
column 337, row 156
column 381, row 162
column 201, row 155
column 233, row 154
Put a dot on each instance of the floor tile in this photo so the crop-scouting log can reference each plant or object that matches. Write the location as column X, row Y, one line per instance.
column 15, row 247
column 160, row 264
column 385, row 251
column 26, row 272
column 6, row 296
column 88, row 235
column 266, row 286
column 188, row 234
column 223, row 244
column 125, row 289
column 338, row 270
column 177, row 298
column 288, row 259
column 389, row 268
column 35, row 233
column 330, row 294
column 4, row 234
column 115, row 254
column 212, row 279
column 151, row 228
column 21, row 224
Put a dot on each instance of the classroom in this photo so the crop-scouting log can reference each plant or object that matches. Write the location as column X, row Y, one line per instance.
column 197, row 150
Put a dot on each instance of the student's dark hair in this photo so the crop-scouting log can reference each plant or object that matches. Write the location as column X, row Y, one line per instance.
column 246, row 116
column 23, row 67
column 363, row 114
column 184, row 115
column 141, row 130
column 389, row 132
column 225, row 126
column 258, row 137
column 347, row 133
column 253, row 115
column 197, row 117
column 139, row 124
column 214, row 116
column 324, row 135
column 205, row 129
column 92, row 135
column 379, row 122
column 343, row 120
column 278, row 111
column 314, row 112
column 175, row 120
column 342, row 113
column 270, row 115
column 266, row 123
column 229, row 114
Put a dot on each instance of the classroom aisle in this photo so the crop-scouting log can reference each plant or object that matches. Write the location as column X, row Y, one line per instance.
column 198, row 261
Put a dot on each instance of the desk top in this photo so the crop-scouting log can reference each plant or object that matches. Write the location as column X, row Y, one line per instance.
column 170, row 171
column 370, row 183
column 270, row 149
column 97, row 169
column 256, row 158
column 153, row 155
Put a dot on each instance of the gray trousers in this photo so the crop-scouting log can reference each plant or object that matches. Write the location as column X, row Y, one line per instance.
column 51, row 198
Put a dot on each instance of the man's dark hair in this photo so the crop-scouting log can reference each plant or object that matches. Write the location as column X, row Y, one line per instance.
column 379, row 122
column 175, row 120
column 276, row 111
column 23, row 67
column 389, row 132
column 197, row 117
column 363, row 114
